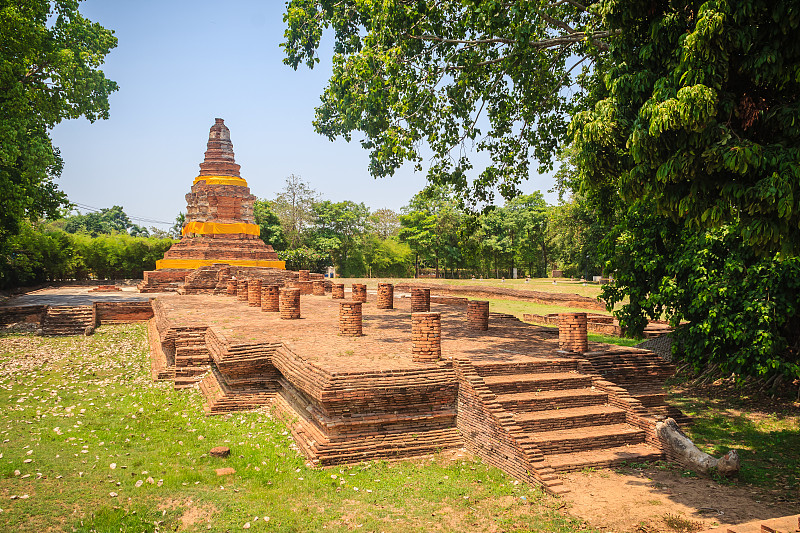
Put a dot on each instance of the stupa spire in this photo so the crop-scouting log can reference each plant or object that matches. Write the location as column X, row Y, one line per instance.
column 219, row 157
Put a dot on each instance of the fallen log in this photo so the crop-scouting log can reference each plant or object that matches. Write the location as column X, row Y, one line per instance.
column 690, row 455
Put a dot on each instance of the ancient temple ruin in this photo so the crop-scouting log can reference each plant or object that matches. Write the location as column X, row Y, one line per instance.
column 220, row 225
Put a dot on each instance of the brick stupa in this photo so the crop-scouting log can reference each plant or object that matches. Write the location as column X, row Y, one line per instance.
column 220, row 226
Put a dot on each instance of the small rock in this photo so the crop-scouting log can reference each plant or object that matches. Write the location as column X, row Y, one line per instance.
column 246, row 525
column 112, row 494
column 139, row 483
column 26, row 461
column 225, row 471
column 150, row 480
column 219, row 451
column 112, row 466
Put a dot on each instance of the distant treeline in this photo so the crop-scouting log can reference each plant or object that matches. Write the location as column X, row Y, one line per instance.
column 41, row 253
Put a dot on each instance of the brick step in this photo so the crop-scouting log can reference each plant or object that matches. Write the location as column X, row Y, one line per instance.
column 537, row 382
column 570, row 462
column 586, row 438
column 650, row 399
column 535, row 366
column 575, row 417
column 555, row 399
column 387, row 446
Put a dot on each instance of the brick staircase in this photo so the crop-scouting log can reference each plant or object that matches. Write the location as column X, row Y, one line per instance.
column 642, row 373
column 562, row 415
column 67, row 320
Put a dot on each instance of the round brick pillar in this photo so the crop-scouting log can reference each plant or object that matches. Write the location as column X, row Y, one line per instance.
column 290, row 303
column 230, row 289
column 241, row 290
column 478, row 315
column 303, row 275
column 337, row 291
column 350, row 324
column 426, row 337
column 306, row 287
column 385, row 296
column 420, row 300
column 270, row 301
column 572, row 332
column 318, row 288
column 254, row 293
column 359, row 292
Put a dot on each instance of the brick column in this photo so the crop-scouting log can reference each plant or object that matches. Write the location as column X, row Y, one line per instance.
column 385, row 296
column 241, row 290
column 303, row 275
column 254, row 293
column 270, row 301
column 318, row 288
column 478, row 315
column 290, row 303
column 337, row 291
column 359, row 292
column 306, row 287
column 420, row 300
column 350, row 324
column 230, row 290
column 572, row 332
column 426, row 336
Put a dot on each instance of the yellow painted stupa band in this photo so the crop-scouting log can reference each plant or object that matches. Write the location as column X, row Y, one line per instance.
column 218, row 228
column 221, row 180
column 197, row 263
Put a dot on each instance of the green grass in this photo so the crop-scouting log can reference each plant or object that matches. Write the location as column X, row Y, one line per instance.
column 767, row 442
column 589, row 289
column 109, row 450
column 519, row 308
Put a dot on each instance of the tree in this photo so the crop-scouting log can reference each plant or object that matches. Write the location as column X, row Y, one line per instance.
column 269, row 224
column 699, row 114
column 176, row 231
column 106, row 220
column 385, row 223
column 49, row 71
column 294, row 207
column 450, row 75
column 338, row 229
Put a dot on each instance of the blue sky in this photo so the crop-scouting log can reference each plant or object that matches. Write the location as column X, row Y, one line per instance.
column 179, row 65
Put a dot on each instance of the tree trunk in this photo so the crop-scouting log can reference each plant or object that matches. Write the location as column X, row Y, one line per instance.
column 691, row 455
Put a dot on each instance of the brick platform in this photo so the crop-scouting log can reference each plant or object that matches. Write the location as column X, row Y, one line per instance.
column 230, row 287
column 304, row 275
column 508, row 394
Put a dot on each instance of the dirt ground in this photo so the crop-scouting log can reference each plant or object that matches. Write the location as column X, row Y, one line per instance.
column 655, row 500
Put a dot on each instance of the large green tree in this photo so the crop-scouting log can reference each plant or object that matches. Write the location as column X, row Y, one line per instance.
column 450, row 75
column 699, row 115
column 50, row 60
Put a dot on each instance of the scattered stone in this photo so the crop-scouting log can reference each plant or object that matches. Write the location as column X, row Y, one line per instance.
column 112, row 494
column 139, row 483
column 219, row 451
column 246, row 525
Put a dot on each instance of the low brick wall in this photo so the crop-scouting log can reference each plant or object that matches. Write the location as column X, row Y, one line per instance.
column 31, row 314
column 603, row 325
column 123, row 312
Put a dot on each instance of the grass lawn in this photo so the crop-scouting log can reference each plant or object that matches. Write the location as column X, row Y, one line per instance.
column 765, row 433
column 90, row 443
